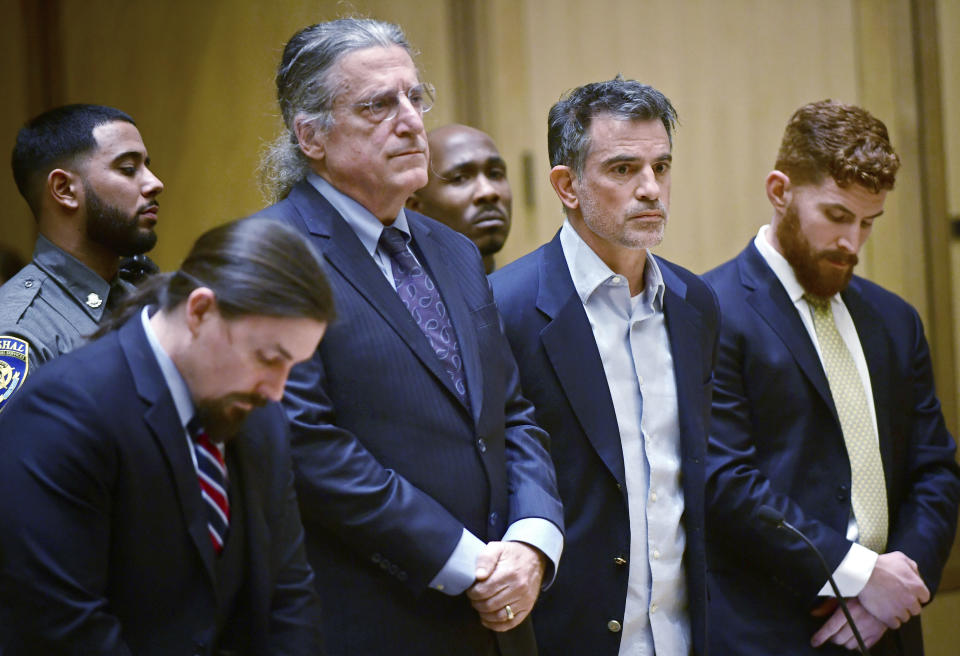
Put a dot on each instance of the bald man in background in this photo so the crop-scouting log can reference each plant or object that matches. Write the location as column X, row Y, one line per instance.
column 467, row 188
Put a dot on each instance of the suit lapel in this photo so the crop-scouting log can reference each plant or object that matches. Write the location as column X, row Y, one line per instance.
column 163, row 422
column 572, row 350
column 770, row 300
column 343, row 250
column 877, row 354
column 685, row 329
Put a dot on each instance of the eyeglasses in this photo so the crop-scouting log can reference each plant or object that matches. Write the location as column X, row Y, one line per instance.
column 387, row 105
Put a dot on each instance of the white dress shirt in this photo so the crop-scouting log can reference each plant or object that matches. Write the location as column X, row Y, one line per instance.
column 459, row 572
column 857, row 566
column 634, row 348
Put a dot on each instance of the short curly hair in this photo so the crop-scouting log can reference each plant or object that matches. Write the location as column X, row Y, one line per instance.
column 844, row 141
column 568, row 123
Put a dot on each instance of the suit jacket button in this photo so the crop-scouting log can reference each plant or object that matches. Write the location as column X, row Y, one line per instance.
column 482, row 445
column 493, row 518
column 613, row 626
column 619, row 560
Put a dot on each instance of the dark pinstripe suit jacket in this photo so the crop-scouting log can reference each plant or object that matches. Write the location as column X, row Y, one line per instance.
column 390, row 465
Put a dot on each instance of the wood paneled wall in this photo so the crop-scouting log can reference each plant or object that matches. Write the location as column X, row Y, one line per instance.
column 198, row 79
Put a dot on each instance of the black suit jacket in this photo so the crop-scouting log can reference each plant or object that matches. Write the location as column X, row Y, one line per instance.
column 104, row 547
column 390, row 465
column 776, row 441
column 562, row 374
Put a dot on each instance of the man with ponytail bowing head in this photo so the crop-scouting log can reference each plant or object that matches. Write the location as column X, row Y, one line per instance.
column 146, row 492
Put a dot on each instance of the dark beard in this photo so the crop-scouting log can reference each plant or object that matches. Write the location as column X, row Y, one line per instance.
column 814, row 274
column 109, row 226
column 221, row 419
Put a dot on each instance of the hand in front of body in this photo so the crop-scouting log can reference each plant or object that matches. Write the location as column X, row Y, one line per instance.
column 509, row 575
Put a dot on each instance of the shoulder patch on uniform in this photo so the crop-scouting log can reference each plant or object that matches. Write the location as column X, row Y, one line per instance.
column 14, row 364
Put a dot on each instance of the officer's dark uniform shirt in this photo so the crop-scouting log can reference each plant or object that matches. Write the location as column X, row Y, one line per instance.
column 47, row 309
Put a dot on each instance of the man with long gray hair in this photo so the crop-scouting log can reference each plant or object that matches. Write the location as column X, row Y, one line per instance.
column 616, row 349
column 146, row 490
column 420, row 473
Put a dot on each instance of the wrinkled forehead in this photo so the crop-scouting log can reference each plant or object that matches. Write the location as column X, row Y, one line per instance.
column 362, row 72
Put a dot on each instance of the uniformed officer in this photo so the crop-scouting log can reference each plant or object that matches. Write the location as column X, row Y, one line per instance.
column 83, row 171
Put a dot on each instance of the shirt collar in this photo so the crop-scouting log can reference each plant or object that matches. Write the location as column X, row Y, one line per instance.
column 359, row 218
column 589, row 272
column 182, row 399
column 85, row 285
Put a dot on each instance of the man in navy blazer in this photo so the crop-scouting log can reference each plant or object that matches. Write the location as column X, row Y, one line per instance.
column 616, row 349
column 420, row 473
column 109, row 542
column 824, row 410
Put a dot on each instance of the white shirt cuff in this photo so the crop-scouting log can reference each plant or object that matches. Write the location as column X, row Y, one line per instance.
column 542, row 534
column 853, row 572
column 460, row 570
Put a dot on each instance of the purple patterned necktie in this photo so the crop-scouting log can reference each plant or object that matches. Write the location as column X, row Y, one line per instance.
column 422, row 298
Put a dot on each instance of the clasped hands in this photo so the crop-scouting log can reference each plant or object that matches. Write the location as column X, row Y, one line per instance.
column 893, row 594
column 508, row 573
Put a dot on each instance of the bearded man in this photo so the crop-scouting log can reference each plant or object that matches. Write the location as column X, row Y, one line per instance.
column 83, row 170
column 824, row 410
column 146, row 490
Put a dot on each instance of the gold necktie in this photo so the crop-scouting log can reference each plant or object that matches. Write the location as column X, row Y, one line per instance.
column 868, row 495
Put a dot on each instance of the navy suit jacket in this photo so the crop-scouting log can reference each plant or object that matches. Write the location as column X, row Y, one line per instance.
column 104, row 547
column 776, row 441
column 390, row 465
column 562, row 374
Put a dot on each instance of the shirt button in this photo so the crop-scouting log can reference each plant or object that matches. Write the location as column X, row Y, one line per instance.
column 619, row 560
column 617, row 280
column 28, row 283
column 438, row 586
column 656, row 554
column 482, row 445
column 653, row 496
column 653, row 608
column 613, row 626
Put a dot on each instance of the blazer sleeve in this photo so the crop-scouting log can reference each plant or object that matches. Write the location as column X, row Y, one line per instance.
column 295, row 616
column 55, row 542
column 531, row 479
column 926, row 520
column 341, row 485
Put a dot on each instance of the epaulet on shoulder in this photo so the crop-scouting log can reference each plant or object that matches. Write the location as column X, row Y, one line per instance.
column 17, row 294
column 26, row 283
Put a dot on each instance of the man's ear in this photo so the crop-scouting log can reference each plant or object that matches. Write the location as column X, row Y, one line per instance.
column 564, row 184
column 779, row 190
column 414, row 203
column 65, row 188
column 200, row 307
column 309, row 138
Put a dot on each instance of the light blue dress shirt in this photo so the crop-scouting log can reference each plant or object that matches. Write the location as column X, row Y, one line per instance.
column 634, row 348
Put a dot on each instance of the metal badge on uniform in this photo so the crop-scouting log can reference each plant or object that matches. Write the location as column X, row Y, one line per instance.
column 94, row 300
column 14, row 363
